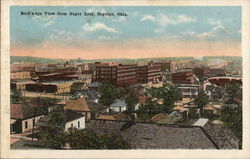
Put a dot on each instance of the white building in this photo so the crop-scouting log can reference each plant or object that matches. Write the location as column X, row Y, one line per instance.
column 118, row 106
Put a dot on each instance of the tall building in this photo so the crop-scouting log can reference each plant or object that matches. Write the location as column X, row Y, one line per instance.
column 119, row 75
column 149, row 73
column 185, row 76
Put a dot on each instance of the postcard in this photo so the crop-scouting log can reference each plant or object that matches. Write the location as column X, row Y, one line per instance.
column 125, row 79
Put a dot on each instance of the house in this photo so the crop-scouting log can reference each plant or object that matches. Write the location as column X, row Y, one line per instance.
column 158, row 117
column 212, row 109
column 154, row 136
column 72, row 119
column 79, row 105
column 95, row 85
column 118, row 106
column 23, row 117
column 96, row 109
column 117, row 116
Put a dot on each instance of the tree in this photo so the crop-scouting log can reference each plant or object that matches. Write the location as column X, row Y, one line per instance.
column 17, row 95
column 232, row 115
column 232, row 92
column 201, row 100
column 87, row 139
column 84, row 139
column 131, row 101
column 171, row 95
column 108, row 94
column 54, row 136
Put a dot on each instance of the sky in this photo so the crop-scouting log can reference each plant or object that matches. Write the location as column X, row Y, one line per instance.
column 146, row 32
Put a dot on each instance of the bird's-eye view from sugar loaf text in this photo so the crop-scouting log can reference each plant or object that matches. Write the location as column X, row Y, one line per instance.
column 156, row 77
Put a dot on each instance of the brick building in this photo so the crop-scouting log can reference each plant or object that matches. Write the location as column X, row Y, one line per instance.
column 166, row 65
column 119, row 75
column 149, row 73
column 183, row 77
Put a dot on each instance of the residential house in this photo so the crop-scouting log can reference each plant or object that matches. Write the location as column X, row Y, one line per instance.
column 72, row 119
column 79, row 105
column 23, row 117
column 118, row 106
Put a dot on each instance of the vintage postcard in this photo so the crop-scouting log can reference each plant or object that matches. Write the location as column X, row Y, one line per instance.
column 143, row 79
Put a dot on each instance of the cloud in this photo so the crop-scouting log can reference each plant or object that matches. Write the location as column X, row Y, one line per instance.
column 45, row 21
column 164, row 20
column 147, row 17
column 106, row 37
column 96, row 10
column 177, row 19
column 98, row 26
column 120, row 19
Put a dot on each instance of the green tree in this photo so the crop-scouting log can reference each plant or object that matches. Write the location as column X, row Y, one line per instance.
column 171, row 95
column 232, row 92
column 201, row 100
column 231, row 113
column 87, row 139
column 131, row 101
column 17, row 95
column 108, row 94
column 54, row 136
column 84, row 139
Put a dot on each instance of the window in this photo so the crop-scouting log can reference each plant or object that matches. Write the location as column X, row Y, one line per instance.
column 34, row 122
column 78, row 124
column 26, row 124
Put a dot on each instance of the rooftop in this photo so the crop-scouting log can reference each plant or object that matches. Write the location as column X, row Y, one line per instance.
column 154, row 136
column 77, row 105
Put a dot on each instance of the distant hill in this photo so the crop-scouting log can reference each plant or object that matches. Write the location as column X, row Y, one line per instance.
column 29, row 59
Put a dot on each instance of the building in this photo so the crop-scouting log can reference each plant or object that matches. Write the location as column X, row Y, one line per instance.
column 24, row 117
column 79, row 105
column 118, row 75
column 20, row 84
column 149, row 73
column 166, row 65
column 20, row 75
column 189, row 90
column 72, row 119
column 201, row 72
column 222, row 81
column 155, row 136
column 52, row 87
column 118, row 106
column 183, row 76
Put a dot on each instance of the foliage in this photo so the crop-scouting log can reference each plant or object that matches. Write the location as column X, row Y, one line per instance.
column 109, row 93
column 201, row 100
column 56, row 141
column 169, row 93
column 131, row 101
column 86, row 139
column 17, row 95
column 54, row 136
column 232, row 115
column 233, row 92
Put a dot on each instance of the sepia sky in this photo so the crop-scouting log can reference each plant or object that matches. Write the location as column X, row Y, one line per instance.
column 145, row 32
